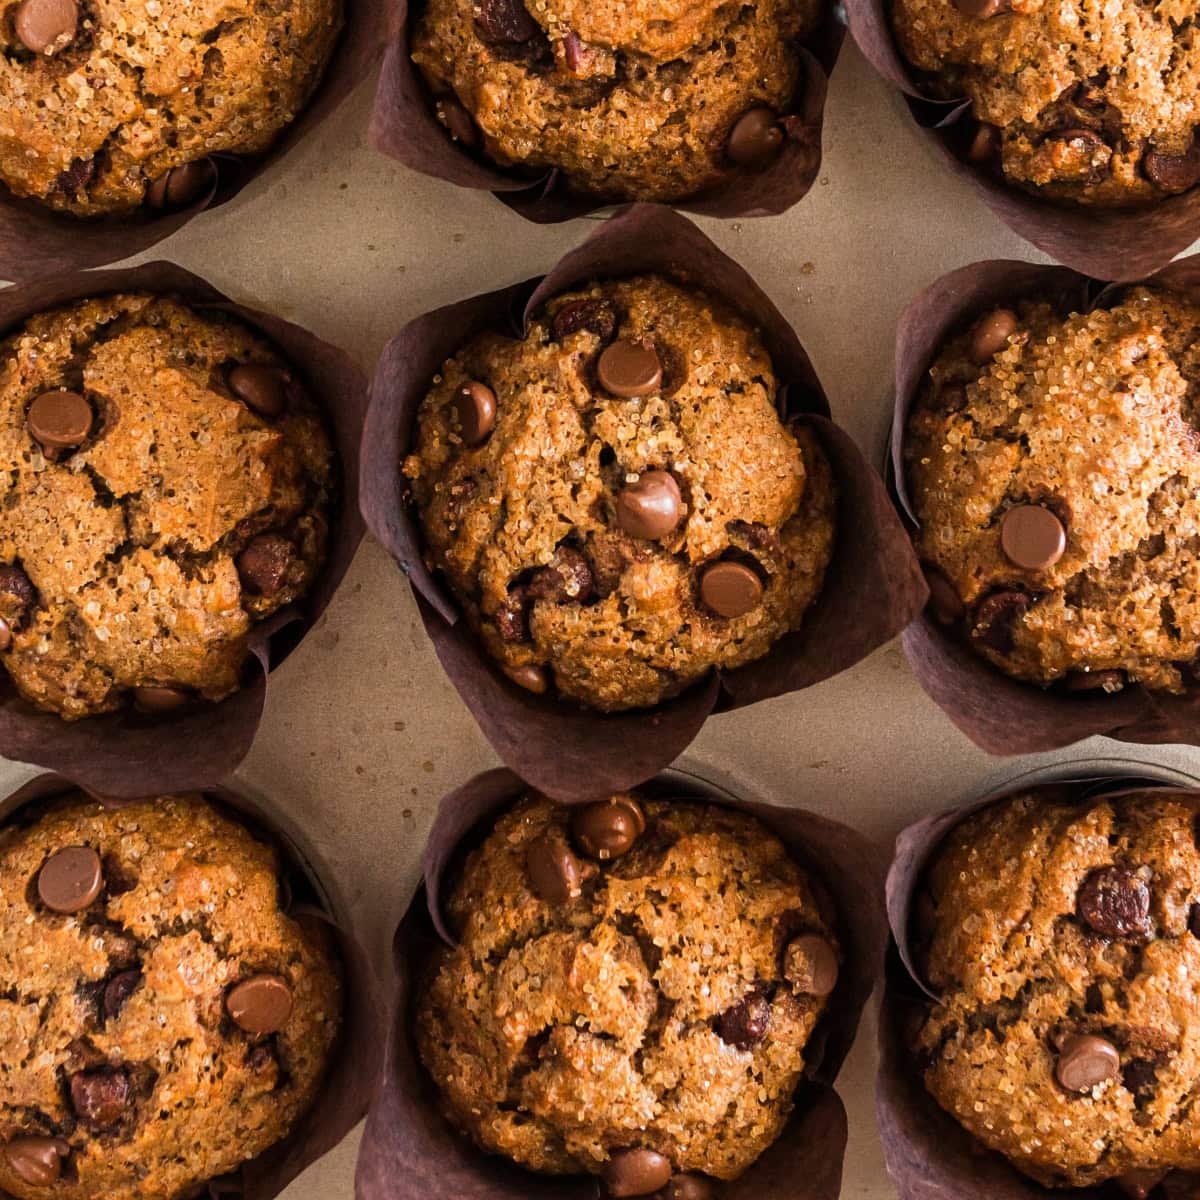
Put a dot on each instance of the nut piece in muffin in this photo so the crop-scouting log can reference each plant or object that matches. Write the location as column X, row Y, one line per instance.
column 1087, row 103
column 164, row 1021
column 108, row 105
column 632, row 101
column 1062, row 935
column 1054, row 465
column 613, row 499
column 632, row 993
column 166, row 485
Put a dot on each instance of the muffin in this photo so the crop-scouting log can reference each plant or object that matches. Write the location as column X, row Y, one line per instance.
column 1084, row 103
column 613, row 499
column 166, row 487
column 654, row 102
column 1054, row 467
column 164, row 1020
column 632, row 993
column 108, row 106
column 1062, row 937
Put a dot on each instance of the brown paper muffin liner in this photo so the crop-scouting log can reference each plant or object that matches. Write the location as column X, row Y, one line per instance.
column 36, row 241
column 1000, row 714
column 410, row 1152
column 404, row 126
column 128, row 754
column 353, row 1068
column 1120, row 244
column 929, row 1155
column 873, row 587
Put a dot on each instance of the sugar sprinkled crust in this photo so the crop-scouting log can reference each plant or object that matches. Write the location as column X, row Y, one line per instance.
column 562, row 1033
column 190, row 905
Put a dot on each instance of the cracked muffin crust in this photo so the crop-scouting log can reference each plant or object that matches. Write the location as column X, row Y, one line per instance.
column 1092, row 104
column 613, row 499
column 106, row 104
column 165, row 485
column 633, row 992
column 631, row 101
column 163, row 1020
column 1064, row 939
column 1054, row 466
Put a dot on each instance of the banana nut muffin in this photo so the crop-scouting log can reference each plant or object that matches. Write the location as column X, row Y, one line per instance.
column 164, row 485
column 163, row 1021
column 1084, row 102
column 1054, row 465
column 645, row 101
column 632, row 993
column 614, row 500
column 1063, row 936
column 107, row 105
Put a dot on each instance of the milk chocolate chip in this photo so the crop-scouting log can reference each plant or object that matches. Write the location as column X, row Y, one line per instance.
column 261, row 1004
column 180, row 186
column 1115, row 903
column 158, row 698
column 554, row 872
column 36, row 1160
column 607, row 829
column 746, row 1024
column 650, row 507
column 995, row 620
column 1086, row 1061
column 630, row 368
column 756, row 137
column 991, row 334
column 117, row 990
column 101, row 1098
column 1032, row 537
column 475, row 410
column 46, row 26
column 261, row 388
column 689, row 1187
column 730, row 589
column 70, row 879
column 636, row 1173
column 59, row 420
column 1173, row 172
column 810, row 965
column 505, row 22
column 596, row 316
column 263, row 565
column 530, row 677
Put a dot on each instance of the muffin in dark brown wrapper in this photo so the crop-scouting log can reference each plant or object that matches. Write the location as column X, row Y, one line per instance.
column 1033, row 662
column 293, row 1027
column 1070, row 1051
column 1070, row 140
column 410, row 1148
column 162, row 735
column 871, row 587
column 36, row 240
column 748, row 158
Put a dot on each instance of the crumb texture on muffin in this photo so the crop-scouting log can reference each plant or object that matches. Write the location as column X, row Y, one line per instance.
column 1063, row 939
column 580, row 530
column 631, row 101
column 130, row 92
column 123, row 1073
column 656, row 1007
column 141, row 556
column 1087, row 425
column 1091, row 103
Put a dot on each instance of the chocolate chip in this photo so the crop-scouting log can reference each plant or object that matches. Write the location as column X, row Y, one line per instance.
column 117, row 990
column 458, row 122
column 101, row 1098
column 1115, row 903
column 512, row 617
column 1094, row 681
column 1032, row 537
column 1086, row 1061
column 263, row 565
column 261, row 1004
column 17, row 593
column 530, row 677
column 261, row 388
column 36, row 1160
column 474, row 409
column 995, row 617
column 982, row 10
column 606, row 829
column 5, row 635
column 156, row 698
column 745, row 1025
column 595, row 316
column 180, row 186
column 985, row 145
column 991, row 334
column 568, row 577
column 944, row 601
column 730, row 589
column 1139, row 1184
column 636, row 1173
column 630, row 368
column 71, row 879
column 1194, row 920
column 1173, row 172
column 76, row 177
column 45, row 26
column 649, row 508
column 505, row 22
column 59, row 420
column 810, row 965
column 689, row 1187
column 756, row 137
column 554, row 872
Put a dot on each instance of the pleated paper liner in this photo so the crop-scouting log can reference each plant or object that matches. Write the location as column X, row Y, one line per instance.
column 131, row 754
column 873, row 587
column 410, row 1152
